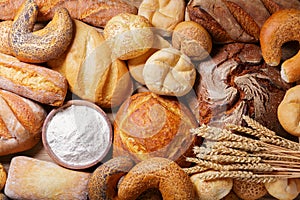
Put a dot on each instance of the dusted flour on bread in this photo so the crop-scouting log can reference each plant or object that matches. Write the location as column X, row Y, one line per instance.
column 236, row 82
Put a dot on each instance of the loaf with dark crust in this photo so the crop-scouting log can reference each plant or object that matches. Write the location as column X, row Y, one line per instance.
column 235, row 20
column 94, row 12
column 21, row 122
column 235, row 82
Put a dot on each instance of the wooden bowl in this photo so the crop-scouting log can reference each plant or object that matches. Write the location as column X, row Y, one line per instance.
column 77, row 135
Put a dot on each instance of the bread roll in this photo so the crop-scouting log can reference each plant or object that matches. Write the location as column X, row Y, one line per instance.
column 33, row 179
column 192, row 39
column 21, row 122
column 284, row 189
column 32, row 81
column 163, row 14
column 169, row 72
column 249, row 190
column 148, row 125
column 136, row 65
column 91, row 72
column 129, row 35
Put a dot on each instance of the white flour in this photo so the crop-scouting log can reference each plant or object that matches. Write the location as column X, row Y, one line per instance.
column 78, row 135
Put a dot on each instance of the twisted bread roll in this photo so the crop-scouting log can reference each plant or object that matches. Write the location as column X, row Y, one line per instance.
column 93, row 12
column 21, row 122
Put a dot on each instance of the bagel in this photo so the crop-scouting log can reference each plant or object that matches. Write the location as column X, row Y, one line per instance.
column 42, row 45
column 161, row 173
column 281, row 27
column 103, row 181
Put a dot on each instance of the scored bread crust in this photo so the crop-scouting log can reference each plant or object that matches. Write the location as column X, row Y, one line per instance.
column 21, row 122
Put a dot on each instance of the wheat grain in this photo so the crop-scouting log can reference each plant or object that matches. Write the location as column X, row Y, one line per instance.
column 257, row 126
column 229, row 158
column 281, row 142
column 242, row 129
column 194, row 169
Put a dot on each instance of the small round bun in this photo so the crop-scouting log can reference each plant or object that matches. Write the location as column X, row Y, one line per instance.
column 247, row 190
column 285, row 189
column 129, row 35
column 192, row 39
column 163, row 14
column 288, row 111
column 213, row 189
column 169, row 72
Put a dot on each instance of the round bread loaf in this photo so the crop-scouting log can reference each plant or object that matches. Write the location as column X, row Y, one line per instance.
column 237, row 82
column 249, row 190
column 148, row 125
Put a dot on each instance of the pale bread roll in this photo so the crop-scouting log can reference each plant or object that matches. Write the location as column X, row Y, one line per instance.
column 284, row 189
column 163, row 14
column 169, row 72
column 91, row 72
column 33, row 179
column 136, row 65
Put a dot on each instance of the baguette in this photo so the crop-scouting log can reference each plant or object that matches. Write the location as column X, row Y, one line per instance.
column 21, row 122
column 32, row 81
column 94, row 12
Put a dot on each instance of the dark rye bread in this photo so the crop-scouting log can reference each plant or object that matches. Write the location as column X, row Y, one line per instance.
column 235, row 20
column 236, row 82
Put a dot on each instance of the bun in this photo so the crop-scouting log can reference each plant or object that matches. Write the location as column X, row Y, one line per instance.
column 169, row 72
column 91, row 72
column 236, row 82
column 235, row 20
column 249, row 190
column 163, row 14
column 284, row 188
column 32, row 81
column 288, row 111
column 148, row 125
column 192, row 40
column 129, row 35
column 21, row 122
column 96, row 13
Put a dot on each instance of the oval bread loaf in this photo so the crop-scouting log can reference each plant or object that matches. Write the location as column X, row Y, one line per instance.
column 21, row 123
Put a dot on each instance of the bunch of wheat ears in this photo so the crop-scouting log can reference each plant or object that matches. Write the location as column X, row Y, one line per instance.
column 252, row 153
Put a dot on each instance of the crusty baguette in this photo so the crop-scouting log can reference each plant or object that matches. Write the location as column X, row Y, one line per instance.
column 94, row 12
column 21, row 121
column 32, row 81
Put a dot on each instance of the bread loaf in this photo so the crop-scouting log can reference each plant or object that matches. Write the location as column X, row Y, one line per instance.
column 235, row 20
column 237, row 82
column 91, row 72
column 148, row 125
column 33, row 179
column 21, row 122
column 93, row 12
column 32, row 81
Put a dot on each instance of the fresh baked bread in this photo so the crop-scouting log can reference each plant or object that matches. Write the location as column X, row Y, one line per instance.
column 32, row 81
column 34, row 179
column 235, row 20
column 148, row 125
column 237, row 82
column 21, row 122
column 169, row 72
column 93, row 12
column 91, row 72
column 128, row 35
column 163, row 14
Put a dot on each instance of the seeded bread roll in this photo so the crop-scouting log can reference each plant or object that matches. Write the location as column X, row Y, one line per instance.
column 32, row 81
column 21, row 122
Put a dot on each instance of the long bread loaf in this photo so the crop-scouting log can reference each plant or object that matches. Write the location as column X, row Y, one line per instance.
column 94, row 12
